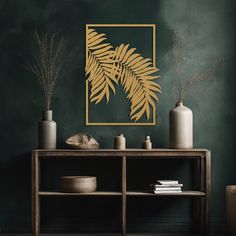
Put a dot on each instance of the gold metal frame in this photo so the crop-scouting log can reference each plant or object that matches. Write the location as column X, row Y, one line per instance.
column 153, row 26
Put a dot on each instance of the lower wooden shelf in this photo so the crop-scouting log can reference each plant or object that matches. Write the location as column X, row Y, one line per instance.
column 184, row 194
column 128, row 193
column 45, row 193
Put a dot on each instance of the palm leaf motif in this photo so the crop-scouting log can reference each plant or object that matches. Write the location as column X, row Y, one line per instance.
column 99, row 67
column 106, row 67
column 136, row 75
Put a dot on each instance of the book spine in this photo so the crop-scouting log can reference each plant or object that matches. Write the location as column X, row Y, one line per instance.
column 168, row 189
column 167, row 185
column 177, row 191
column 167, row 182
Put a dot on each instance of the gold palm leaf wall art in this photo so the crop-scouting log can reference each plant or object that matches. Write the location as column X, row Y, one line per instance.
column 100, row 67
column 108, row 66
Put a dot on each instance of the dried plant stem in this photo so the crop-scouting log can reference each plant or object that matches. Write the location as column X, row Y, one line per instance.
column 177, row 59
column 47, row 64
column 200, row 76
column 181, row 45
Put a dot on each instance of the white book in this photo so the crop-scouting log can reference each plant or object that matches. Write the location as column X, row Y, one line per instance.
column 168, row 189
column 167, row 185
column 176, row 191
column 169, row 182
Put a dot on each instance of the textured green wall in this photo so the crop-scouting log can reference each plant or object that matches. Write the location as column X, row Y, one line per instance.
column 211, row 26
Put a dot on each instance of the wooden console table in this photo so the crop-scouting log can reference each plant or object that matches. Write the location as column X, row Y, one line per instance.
column 200, row 193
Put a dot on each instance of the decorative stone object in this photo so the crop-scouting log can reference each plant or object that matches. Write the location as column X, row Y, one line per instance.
column 181, row 126
column 47, row 131
column 78, row 184
column 147, row 143
column 120, row 142
column 230, row 196
column 82, row 141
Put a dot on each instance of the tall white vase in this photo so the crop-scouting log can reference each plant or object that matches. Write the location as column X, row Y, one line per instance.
column 181, row 127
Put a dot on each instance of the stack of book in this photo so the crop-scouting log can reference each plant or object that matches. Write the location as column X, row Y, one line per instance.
column 167, row 186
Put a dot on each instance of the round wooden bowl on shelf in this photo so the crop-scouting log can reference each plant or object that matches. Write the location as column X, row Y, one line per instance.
column 78, row 184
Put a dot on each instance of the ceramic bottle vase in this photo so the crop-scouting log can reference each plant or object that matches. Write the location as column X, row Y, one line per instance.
column 47, row 131
column 147, row 143
column 181, row 126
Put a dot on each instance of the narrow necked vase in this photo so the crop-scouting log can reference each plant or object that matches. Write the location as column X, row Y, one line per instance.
column 181, row 126
column 47, row 131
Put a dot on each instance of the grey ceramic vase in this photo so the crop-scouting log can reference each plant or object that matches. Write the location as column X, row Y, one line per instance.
column 181, row 127
column 47, row 131
column 230, row 197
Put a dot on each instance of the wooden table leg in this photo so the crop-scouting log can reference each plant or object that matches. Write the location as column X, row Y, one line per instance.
column 202, row 200
column 208, row 191
column 123, row 220
column 197, row 201
column 35, row 195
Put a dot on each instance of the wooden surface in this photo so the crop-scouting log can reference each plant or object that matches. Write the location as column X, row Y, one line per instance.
column 35, row 195
column 128, row 193
column 123, row 211
column 197, row 201
column 202, row 181
column 46, row 193
column 135, row 153
column 207, row 190
column 116, row 234
column 184, row 193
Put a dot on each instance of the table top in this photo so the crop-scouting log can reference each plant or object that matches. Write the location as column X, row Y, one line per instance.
column 126, row 152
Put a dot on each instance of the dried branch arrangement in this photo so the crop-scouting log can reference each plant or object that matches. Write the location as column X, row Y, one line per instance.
column 47, row 63
column 198, row 77
column 107, row 67
column 180, row 47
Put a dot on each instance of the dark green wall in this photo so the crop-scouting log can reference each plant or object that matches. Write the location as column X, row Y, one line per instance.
column 210, row 24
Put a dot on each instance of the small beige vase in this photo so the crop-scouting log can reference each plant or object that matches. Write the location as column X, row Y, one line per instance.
column 120, row 142
column 181, row 127
column 230, row 197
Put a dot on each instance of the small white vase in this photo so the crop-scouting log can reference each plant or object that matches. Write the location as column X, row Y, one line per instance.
column 47, row 131
column 181, row 127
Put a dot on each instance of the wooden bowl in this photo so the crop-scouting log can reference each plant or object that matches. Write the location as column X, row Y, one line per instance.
column 78, row 184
